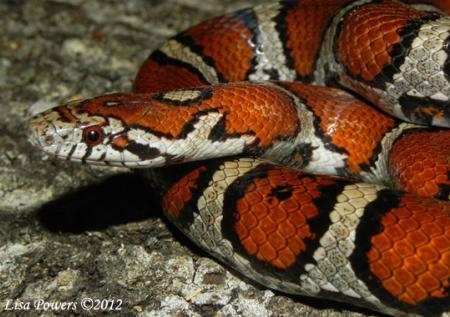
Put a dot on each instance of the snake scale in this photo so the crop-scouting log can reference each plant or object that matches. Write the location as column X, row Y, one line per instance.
column 302, row 187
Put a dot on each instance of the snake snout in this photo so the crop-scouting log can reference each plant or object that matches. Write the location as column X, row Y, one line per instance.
column 42, row 133
column 45, row 135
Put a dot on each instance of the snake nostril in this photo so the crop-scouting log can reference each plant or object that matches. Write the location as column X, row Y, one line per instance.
column 49, row 139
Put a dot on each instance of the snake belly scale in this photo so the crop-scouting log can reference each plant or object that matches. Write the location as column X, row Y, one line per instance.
column 301, row 187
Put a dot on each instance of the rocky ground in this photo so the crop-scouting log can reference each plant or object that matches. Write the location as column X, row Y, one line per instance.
column 71, row 232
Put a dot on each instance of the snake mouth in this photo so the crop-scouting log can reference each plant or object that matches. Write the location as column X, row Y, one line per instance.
column 46, row 136
column 42, row 133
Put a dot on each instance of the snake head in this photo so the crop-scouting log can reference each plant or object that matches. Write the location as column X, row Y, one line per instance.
column 95, row 131
column 69, row 132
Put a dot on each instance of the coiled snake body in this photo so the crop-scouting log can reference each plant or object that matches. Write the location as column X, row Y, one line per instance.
column 255, row 194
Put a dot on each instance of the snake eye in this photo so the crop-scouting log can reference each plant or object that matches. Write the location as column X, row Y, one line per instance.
column 93, row 135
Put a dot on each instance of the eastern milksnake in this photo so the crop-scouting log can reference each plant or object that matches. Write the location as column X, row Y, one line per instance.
column 248, row 199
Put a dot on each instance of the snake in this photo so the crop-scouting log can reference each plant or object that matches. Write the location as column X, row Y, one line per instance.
column 303, row 143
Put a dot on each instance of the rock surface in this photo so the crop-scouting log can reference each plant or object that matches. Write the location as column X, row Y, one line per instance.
column 71, row 232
